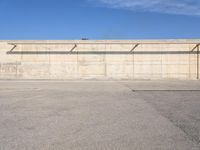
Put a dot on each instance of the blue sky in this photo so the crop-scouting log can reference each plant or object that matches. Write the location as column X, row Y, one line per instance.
column 99, row 19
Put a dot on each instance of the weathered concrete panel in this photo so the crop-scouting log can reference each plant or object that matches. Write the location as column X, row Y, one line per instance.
column 62, row 70
column 35, row 70
column 161, row 59
column 8, row 70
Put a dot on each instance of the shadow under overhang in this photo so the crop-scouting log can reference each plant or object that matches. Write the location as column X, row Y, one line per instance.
column 97, row 52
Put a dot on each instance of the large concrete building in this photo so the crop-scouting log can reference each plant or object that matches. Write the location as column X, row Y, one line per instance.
column 85, row 59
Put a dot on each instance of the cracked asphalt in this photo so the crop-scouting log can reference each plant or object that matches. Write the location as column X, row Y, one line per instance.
column 100, row 115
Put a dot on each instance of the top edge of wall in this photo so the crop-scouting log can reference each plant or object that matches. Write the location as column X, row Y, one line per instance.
column 170, row 41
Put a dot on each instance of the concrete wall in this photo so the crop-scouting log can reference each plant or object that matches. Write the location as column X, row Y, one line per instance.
column 163, row 59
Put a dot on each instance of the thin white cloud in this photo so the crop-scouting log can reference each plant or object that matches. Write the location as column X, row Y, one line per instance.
column 185, row 7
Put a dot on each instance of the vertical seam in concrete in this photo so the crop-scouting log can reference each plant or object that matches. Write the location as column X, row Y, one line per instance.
column 22, row 62
column 198, row 62
column 133, row 75
column 77, row 66
column 189, row 55
column 16, row 70
column 161, row 75
column 49, row 68
column 105, row 63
